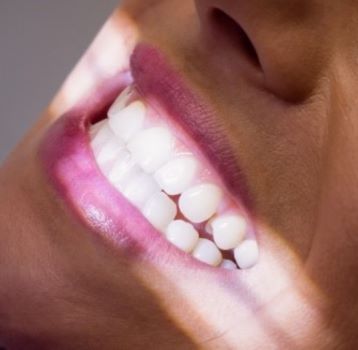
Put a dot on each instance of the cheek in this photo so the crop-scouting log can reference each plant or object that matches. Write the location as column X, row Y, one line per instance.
column 281, row 151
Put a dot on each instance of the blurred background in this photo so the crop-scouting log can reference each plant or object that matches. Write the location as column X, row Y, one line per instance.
column 40, row 41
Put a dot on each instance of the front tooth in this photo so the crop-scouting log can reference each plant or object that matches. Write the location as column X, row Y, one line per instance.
column 247, row 254
column 151, row 148
column 200, row 203
column 228, row 265
column 177, row 175
column 123, row 170
column 120, row 101
column 101, row 135
column 183, row 235
column 95, row 128
column 140, row 189
column 127, row 122
column 160, row 210
column 107, row 153
column 228, row 231
column 207, row 252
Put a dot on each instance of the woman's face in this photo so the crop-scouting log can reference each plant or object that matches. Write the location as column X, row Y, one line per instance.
column 264, row 92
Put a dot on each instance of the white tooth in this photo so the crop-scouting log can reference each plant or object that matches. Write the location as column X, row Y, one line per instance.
column 140, row 189
column 101, row 136
column 107, row 153
column 208, row 227
column 228, row 231
column 207, row 252
column 93, row 130
column 228, row 265
column 182, row 235
column 200, row 203
column 177, row 175
column 121, row 101
column 160, row 210
column 123, row 170
column 151, row 148
column 128, row 121
column 247, row 254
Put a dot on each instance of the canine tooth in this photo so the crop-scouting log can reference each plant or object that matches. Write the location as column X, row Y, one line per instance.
column 140, row 189
column 247, row 254
column 151, row 148
column 160, row 210
column 207, row 252
column 200, row 203
column 228, row 265
column 183, row 235
column 120, row 101
column 177, row 175
column 228, row 231
column 123, row 170
column 126, row 122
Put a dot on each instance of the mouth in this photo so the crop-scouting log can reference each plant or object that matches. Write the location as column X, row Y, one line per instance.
column 146, row 164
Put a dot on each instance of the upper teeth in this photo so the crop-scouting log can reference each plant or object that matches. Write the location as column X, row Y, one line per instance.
column 127, row 122
column 201, row 202
column 151, row 148
column 143, row 160
column 177, row 175
column 228, row 231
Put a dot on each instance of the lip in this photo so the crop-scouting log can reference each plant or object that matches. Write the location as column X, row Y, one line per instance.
column 71, row 168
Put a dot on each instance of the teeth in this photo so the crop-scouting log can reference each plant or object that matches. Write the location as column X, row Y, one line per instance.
column 207, row 252
column 123, row 170
column 107, row 153
column 228, row 265
column 127, row 122
column 140, row 189
column 100, row 135
column 228, row 231
column 200, row 203
column 95, row 128
column 147, row 164
column 183, row 235
column 247, row 254
column 177, row 175
column 120, row 102
column 151, row 148
column 160, row 210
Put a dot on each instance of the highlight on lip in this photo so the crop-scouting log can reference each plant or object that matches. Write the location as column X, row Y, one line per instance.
column 154, row 165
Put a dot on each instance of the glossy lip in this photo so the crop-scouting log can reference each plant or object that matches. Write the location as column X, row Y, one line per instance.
column 72, row 170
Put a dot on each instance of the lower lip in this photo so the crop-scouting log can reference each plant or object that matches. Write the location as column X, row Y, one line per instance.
column 72, row 170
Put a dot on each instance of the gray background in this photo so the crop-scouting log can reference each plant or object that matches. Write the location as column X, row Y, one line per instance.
column 40, row 41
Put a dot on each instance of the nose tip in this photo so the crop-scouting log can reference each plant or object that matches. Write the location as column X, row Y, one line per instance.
column 235, row 34
column 282, row 42
column 225, row 35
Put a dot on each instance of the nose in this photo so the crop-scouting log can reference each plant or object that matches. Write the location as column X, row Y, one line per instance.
column 281, row 40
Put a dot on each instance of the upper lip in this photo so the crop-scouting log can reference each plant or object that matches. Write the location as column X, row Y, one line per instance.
column 154, row 77
column 71, row 167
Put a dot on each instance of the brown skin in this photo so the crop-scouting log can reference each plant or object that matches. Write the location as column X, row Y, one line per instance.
column 293, row 122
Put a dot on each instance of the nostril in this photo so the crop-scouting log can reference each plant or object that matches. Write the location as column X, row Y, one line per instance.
column 235, row 34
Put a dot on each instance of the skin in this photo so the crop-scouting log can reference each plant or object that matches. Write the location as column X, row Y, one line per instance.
column 292, row 121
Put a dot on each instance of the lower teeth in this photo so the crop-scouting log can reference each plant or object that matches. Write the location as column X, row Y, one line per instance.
column 143, row 160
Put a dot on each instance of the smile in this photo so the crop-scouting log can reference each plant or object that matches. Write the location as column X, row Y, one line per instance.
column 146, row 174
